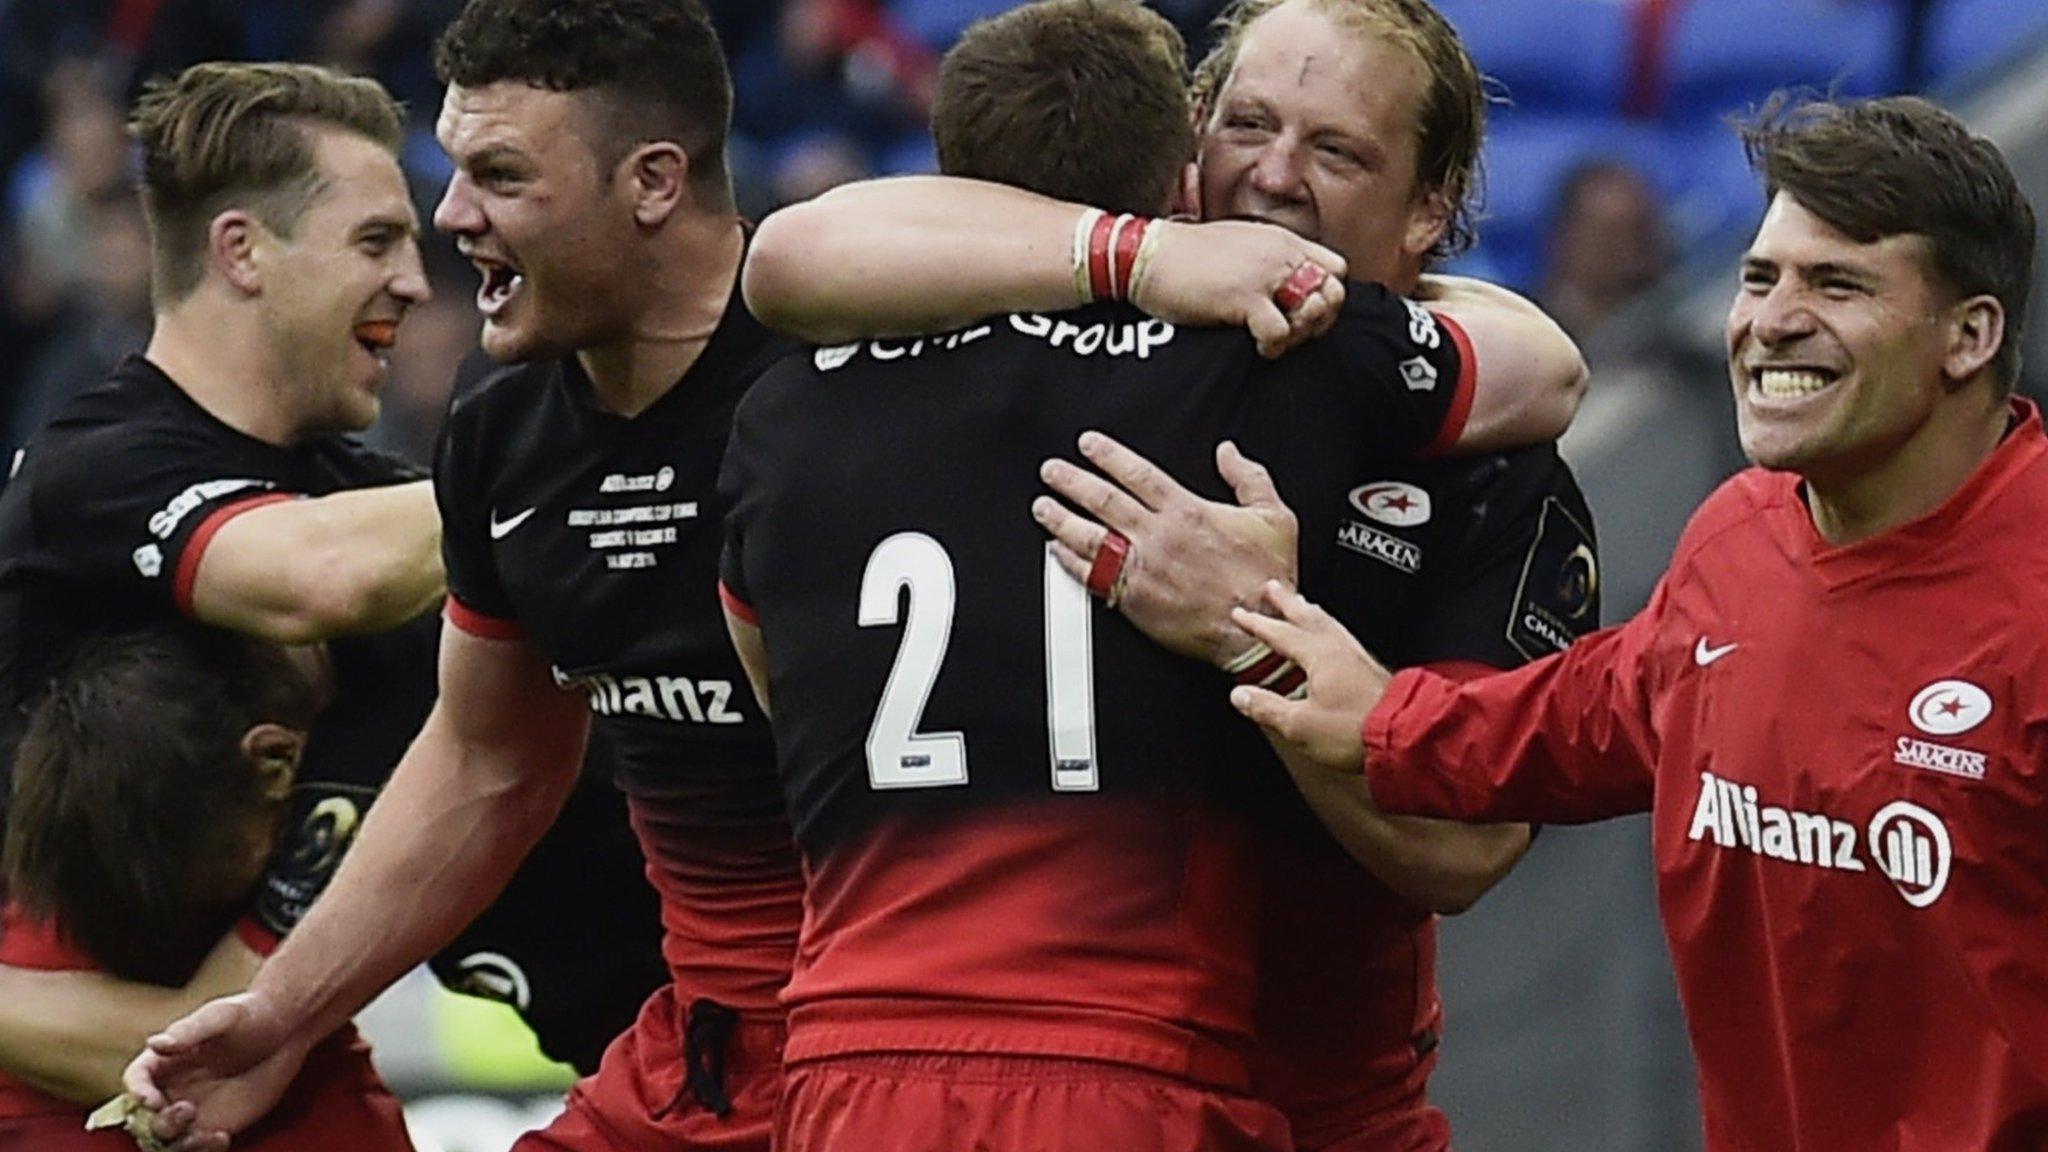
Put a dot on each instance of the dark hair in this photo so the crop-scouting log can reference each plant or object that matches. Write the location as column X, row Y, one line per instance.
column 1904, row 166
column 224, row 135
column 657, row 64
column 1450, row 122
column 134, row 805
column 1082, row 100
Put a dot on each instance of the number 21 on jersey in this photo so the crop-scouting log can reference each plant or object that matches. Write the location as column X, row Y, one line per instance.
column 899, row 756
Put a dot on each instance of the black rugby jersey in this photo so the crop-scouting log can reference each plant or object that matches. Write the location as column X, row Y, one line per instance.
column 1020, row 818
column 595, row 539
column 102, row 527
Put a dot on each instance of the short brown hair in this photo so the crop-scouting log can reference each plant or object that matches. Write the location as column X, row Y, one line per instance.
column 658, row 64
column 227, row 135
column 1082, row 100
column 131, row 792
column 1900, row 166
column 1449, row 124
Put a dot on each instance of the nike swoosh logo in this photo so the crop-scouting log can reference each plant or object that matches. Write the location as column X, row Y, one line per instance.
column 1702, row 655
column 503, row 528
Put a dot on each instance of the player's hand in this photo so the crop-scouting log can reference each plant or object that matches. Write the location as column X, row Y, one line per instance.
column 1229, row 272
column 1344, row 682
column 1191, row 559
column 231, row 1060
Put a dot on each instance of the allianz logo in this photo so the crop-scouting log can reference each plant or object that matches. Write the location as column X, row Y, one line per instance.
column 1909, row 844
column 677, row 698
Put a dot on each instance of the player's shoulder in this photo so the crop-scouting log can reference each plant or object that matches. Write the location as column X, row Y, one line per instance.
column 137, row 417
column 1741, row 503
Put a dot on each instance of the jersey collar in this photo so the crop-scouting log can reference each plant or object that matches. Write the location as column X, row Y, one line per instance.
column 2024, row 444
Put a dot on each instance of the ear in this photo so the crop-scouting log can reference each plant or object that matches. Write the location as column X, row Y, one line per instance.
column 657, row 177
column 273, row 752
column 1976, row 333
column 234, row 243
column 1428, row 219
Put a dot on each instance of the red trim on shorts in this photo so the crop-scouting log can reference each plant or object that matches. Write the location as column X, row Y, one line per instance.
column 195, row 549
column 736, row 606
column 260, row 939
column 482, row 626
column 1467, row 386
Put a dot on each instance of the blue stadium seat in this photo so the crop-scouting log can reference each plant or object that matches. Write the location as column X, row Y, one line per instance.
column 1527, row 158
column 1967, row 37
column 1551, row 55
column 1726, row 55
column 939, row 22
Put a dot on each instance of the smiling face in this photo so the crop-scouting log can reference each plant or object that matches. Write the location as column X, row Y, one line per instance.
column 336, row 288
column 1839, row 352
column 1316, row 129
column 545, row 222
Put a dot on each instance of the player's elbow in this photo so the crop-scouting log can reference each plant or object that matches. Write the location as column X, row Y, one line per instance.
column 780, row 278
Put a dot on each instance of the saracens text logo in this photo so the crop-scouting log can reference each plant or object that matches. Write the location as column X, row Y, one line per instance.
column 1909, row 844
column 1392, row 502
column 1949, row 707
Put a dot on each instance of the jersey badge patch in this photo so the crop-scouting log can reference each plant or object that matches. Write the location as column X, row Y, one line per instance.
column 1419, row 374
column 1392, row 502
column 324, row 821
column 149, row 560
column 1949, row 707
column 1558, row 598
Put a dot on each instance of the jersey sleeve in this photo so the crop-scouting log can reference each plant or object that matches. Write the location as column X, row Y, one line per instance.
column 1408, row 373
column 477, row 601
column 1565, row 740
column 135, row 508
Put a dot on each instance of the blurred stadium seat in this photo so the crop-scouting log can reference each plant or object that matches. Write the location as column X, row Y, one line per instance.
column 1559, row 55
column 1724, row 55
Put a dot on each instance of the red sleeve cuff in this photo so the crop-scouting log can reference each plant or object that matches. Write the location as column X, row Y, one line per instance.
column 195, row 548
column 260, row 939
column 736, row 606
column 1383, row 778
column 1461, row 399
column 481, row 626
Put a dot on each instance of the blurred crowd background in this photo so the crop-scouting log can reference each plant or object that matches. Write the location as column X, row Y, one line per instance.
column 1615, row 194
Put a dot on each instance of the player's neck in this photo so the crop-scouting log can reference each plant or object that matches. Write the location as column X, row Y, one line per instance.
column 213, row 357
column 686, row 291
column 1914, row 479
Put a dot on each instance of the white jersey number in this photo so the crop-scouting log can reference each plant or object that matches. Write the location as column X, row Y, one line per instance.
column 899, row 756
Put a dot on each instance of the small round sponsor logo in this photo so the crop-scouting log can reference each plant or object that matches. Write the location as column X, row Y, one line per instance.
column 1949, row 707
column 1392, row 502
column 1912, row 848
column 664, row 479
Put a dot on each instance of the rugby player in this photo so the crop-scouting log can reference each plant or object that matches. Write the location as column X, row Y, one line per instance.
column 1830, row 707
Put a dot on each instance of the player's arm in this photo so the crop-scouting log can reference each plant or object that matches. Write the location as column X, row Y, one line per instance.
column 497, row 758
column 1530, row 374
column 924, row 254
column 752, row 650
column 299, row 571
column 70, row 1033
column 1566, row 739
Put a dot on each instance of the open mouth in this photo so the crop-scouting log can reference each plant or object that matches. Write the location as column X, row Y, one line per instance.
column 377, row 337
column 1789, row 383
column 501, row 282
